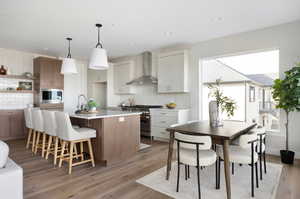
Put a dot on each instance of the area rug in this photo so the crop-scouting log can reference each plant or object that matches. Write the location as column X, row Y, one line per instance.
column 240, row 183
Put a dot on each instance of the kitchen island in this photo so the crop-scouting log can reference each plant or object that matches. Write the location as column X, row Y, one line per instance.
column 117, row 134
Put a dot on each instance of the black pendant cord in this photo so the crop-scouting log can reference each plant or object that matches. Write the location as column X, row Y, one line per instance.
column 69, row 48
column 99, row 44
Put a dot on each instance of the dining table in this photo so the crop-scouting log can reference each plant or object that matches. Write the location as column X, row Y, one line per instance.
column 221, row 135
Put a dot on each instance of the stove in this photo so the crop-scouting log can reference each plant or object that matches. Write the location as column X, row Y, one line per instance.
column 145, row 116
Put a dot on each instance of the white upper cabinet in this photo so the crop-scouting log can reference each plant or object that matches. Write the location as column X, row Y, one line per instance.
column 123, row 73
column 172, row 72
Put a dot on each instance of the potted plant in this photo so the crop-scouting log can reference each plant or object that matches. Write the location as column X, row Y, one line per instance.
column 286, row 93
column 92, row 105
column 220, row 104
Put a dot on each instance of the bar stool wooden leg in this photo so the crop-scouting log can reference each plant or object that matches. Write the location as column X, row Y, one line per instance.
column 81, row 151
column 37, row 142
column 55, row 150
column 28, row 138
column 62, row 153
column 91, row 152
column 33, row 140
column 49, row 146
column 43, row 144
column 75, row 150
column 71, row 157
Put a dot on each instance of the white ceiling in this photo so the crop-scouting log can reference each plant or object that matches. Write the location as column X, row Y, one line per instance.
column 132, row 26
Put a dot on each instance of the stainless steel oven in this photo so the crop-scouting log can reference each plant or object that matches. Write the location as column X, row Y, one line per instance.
column 51, row 96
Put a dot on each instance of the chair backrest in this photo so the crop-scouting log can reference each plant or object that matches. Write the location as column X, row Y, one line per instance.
column 65, row 130
column 50, row 125
column 37, row 120
column 204, row 140
column 245, row 139
column 28, row 117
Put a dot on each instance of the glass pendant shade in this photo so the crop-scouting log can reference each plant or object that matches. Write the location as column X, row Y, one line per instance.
column 98, row 59
column 68, row 66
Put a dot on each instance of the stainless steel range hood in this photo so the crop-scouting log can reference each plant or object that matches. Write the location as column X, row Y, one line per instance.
column 146, row 78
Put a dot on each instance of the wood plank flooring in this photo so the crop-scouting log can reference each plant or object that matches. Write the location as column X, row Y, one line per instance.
column 44, row 181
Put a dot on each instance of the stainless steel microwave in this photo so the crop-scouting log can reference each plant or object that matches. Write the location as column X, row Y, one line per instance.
column 51, row 96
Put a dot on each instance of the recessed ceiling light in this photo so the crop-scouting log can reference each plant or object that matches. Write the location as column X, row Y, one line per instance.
column 168, row 33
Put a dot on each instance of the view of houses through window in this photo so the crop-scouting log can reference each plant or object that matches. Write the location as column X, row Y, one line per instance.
column 248, row 79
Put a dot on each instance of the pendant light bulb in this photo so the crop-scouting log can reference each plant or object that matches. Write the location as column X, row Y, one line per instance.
column 68, row 64
column 98, row 59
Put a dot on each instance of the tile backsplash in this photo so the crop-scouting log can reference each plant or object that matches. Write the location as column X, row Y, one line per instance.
column 14, row 100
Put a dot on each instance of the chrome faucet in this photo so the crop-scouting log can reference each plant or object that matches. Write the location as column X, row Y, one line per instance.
column 80, row 105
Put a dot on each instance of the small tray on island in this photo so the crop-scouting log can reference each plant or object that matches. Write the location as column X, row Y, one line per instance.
column 88, row 112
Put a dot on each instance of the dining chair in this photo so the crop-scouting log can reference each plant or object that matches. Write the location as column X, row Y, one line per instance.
column 72, row 136
column 261, row 148
column 243, row 153
column 193, row 151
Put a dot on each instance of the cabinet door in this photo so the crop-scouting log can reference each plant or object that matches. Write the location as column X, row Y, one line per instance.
column 46, row 74
column 172, row 73
column 58, row 77
column 17, row 124
column 123, row 74
column 4, row 125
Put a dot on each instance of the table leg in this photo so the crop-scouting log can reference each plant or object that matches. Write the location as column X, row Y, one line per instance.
column 227, row 167
column 170, row 154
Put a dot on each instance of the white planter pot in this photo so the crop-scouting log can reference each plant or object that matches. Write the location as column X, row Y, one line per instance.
column 215, row 117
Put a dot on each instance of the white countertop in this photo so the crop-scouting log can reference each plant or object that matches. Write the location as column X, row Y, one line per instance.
column 104, row 114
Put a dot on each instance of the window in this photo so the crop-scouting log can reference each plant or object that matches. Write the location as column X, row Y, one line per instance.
column 251, row 94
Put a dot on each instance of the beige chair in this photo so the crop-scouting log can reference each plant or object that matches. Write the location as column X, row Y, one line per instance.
column 38, row 124
column 243, row 153
column 72, row 136
column 29, row 126
column 193, row 151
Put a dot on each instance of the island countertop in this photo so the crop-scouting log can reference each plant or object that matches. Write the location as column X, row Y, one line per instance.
column 104, row 114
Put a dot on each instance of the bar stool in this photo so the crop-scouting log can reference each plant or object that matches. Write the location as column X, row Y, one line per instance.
column 29, row 126
column 68, row 134
column 51, row 130
column 38, row 124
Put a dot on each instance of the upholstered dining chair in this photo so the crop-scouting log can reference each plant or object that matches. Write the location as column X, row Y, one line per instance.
column 193, row 151
column 243, row 153
column 38, row 124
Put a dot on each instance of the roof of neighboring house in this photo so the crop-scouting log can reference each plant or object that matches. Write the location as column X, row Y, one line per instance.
column 262, row 79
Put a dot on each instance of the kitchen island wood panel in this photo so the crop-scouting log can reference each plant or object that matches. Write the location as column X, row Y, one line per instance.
column 118, row 137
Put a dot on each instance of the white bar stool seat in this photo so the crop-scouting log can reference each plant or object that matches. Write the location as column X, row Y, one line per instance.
column 38, row 124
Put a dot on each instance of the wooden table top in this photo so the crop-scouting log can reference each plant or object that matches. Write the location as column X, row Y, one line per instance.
column 229, row 131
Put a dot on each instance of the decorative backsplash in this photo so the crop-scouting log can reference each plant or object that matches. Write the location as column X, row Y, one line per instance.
column 15, row 100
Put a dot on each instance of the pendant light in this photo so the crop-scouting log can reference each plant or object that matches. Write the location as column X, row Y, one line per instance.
column 68, row 65
column 98, row 59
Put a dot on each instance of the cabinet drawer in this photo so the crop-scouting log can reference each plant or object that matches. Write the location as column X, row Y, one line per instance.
column 173, row 113
column 159, row 132
column 163, row 121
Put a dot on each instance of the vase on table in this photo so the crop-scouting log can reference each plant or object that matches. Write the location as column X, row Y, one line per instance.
column 215, row 114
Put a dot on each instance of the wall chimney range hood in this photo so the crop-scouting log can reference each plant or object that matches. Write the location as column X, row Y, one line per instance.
column 147, row 77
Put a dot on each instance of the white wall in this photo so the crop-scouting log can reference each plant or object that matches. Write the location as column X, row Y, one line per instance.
column 284, row 37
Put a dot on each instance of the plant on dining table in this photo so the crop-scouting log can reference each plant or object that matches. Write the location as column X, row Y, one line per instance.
column 224, row 103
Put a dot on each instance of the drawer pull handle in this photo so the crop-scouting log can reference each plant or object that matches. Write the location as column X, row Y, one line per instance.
column 163, row 121
column 163, row 113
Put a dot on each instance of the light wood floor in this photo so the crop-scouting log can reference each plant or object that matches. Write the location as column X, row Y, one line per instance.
column 42, row 180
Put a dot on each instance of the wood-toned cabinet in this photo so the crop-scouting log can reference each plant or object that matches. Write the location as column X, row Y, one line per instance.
column 47, row 73
column 47, row 76
column 123, row 73
column 12, row 124
column 172, row 72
